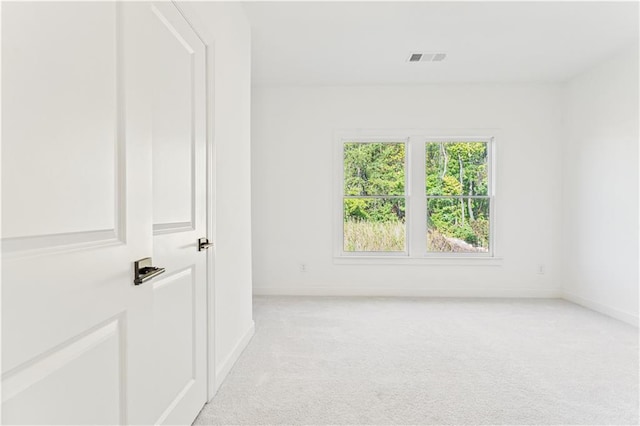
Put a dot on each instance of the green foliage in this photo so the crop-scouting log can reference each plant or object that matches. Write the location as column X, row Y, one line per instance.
column 374, row 169
column 466, row 219
column 451, row 186
column 443, row 164
column 374, row 209
column 356, row 208
column 457, row 169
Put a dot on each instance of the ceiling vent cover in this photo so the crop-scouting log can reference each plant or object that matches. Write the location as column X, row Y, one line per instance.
column 427, row 57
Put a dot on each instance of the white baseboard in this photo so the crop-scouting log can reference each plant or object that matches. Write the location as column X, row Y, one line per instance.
column 603, row 309
column 405, row 292
column 225, row 366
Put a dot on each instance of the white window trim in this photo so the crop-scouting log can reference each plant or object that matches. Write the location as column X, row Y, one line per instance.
column 415, row 204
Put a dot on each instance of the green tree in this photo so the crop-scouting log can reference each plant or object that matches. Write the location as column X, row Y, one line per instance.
column 374, row 169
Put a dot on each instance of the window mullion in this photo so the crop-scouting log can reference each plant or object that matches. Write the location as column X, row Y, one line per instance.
column 417, row 204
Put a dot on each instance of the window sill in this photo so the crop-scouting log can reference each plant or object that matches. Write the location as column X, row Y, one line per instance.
column 420, row 261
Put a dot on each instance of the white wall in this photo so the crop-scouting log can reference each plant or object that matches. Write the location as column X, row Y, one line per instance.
column 292, row 179
column 600, row 188
column 225, row 30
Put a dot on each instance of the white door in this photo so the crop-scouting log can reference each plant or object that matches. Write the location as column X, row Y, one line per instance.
column 179, row 216
column 81, row 344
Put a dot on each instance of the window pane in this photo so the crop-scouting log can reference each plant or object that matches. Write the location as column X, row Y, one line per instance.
column 458, row 225
column 374, row 169
column 456, row 168
column 374, row 224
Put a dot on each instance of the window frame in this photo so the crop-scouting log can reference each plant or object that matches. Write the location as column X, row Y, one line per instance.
column 416, row 250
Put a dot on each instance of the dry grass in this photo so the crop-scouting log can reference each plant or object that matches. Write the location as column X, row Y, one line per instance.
column 390, row 236
column 374, row 236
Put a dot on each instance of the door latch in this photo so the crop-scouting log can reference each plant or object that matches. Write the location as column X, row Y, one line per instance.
column 203, row 244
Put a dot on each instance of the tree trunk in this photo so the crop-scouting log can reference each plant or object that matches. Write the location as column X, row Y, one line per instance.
column 446, row 160
column 471, row 217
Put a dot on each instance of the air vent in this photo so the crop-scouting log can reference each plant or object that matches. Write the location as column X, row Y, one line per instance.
column 439, row 57
column 427, row 57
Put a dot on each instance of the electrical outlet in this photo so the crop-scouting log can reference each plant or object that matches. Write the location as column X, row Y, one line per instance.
column 303, row 267
column 541, row 269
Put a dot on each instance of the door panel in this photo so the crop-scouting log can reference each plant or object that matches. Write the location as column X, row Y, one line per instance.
column 173, row 128
column 61, row 121
column 49, row 374
column 174, row 298
column 179, row 215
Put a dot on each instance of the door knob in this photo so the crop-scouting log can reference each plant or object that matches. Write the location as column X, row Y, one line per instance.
column 144, row 271
column 203, row 244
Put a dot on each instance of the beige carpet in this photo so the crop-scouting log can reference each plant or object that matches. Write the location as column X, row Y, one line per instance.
column 395, row 361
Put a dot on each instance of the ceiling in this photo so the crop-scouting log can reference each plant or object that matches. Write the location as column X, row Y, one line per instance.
column 368, row 43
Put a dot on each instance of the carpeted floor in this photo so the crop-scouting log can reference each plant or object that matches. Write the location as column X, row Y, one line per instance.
column 396, row 361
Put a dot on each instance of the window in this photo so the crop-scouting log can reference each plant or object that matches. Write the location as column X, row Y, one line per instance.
column 458, row 203
column 374, row 197
column 416, row 197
